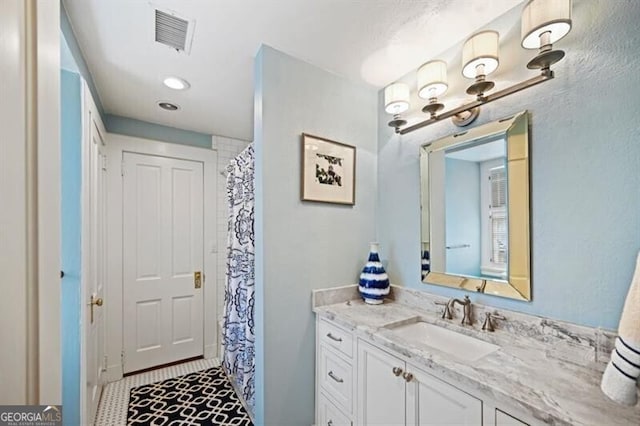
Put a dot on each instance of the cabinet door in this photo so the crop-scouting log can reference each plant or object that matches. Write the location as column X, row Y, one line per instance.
column 504, row 419
column 381, row 394
column 430, row 401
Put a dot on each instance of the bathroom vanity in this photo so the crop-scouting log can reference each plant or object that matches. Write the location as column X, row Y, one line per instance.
column 401, row 363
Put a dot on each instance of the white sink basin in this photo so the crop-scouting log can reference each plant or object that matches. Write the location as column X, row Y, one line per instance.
column 431, row 336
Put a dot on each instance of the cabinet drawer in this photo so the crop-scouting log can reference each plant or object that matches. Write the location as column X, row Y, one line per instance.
column 329, row 414
column 336, row 337
column 504, row 419
column 336, row 378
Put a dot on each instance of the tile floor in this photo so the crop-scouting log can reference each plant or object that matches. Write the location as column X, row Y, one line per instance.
column 112, row 410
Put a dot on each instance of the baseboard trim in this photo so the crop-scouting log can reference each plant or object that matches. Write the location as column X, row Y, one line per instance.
column 114, row 373
column 210, row 352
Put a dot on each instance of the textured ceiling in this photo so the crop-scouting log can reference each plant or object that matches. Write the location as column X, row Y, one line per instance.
column 374, row 41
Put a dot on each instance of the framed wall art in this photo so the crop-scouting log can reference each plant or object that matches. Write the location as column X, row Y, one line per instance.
column 328, row 171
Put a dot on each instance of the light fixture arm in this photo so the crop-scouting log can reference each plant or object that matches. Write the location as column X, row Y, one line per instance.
column 545, row 75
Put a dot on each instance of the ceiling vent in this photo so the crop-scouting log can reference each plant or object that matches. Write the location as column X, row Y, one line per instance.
column 174, row 31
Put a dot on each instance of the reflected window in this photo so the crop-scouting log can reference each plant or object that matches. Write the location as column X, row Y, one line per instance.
column 495, row 234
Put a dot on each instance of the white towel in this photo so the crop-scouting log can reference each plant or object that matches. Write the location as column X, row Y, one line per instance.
column 621, row 375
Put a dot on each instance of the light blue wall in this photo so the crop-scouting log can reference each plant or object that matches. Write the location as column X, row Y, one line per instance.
column 144, row 129
column 71, row 137
column 585, row 162
column 303, row 246
column 462, row 210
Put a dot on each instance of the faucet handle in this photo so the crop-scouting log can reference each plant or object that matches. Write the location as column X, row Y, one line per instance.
column 488, row 320
column 446, row 313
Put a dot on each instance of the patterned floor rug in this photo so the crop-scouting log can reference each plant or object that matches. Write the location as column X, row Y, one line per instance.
column 201, row 398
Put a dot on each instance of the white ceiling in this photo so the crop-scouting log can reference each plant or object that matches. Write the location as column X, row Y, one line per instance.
column 479, row 153
column 375, row 41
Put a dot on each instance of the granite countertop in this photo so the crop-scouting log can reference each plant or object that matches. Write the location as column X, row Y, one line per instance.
column 524, row 372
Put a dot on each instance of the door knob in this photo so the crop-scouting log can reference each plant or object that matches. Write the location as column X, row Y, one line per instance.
column 397, row 371
column 95, row 301
column 407, row 377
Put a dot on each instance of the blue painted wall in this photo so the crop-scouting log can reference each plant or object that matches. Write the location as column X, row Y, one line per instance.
column 462, row 210
column 302, row 246
column 585, row 157
column 71, row 125
column 144, row 129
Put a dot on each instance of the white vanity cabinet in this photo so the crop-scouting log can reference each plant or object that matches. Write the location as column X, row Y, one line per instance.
column 359, row 383
column 430, row 401
column 381, row 389
column 504, row 419
column 393, row 392
column 334, row 375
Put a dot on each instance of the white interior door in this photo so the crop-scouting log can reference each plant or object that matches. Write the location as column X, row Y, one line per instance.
column 162, row 253
column 95, row 276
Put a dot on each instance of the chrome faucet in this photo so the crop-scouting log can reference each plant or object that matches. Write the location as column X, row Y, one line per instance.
column 488, row 320
column 446, row 313
column 466, row 309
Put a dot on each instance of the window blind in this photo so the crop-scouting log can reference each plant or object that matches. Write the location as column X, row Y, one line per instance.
column 498, row 177
column 499, row 237
column 498, row 215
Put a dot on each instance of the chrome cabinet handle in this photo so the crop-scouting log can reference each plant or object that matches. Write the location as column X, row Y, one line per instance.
column 332, row 337
column 407, row 377
column 330, row 423
column 397, row 371
column 334, row 377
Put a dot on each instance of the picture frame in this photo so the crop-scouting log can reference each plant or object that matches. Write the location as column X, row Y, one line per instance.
column 328, row 171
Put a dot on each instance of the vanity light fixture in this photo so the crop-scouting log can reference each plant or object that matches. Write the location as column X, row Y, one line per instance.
column 479, row 59
column 432, row 82
column 544, row 22
column 396, row 101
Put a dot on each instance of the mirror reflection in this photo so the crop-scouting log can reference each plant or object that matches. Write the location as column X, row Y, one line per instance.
column 475, row 209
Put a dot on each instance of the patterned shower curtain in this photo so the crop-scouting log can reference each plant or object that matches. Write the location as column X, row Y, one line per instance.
column 239, row 326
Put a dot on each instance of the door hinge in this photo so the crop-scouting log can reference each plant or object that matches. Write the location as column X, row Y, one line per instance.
column 122, row 168
column 104, row 364
column 104, row 162
column 122, row 359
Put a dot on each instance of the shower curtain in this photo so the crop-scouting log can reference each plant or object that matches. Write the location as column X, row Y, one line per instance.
column 239, row 327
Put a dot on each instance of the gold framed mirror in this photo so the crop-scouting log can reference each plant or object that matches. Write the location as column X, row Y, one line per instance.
column 475, row 209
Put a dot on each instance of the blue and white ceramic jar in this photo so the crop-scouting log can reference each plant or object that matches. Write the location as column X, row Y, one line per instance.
column 426, row 260
column 374, row 281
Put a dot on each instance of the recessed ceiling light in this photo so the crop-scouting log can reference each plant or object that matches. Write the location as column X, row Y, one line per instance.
column 176, row 83
column 168, row 106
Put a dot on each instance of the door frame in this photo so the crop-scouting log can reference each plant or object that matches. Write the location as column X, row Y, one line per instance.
column 89, row 110
column 30, row 190
column 116, row 146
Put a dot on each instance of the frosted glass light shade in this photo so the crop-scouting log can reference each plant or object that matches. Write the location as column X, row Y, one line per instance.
column 432, row 79
column 480, row 49
column 396, row 98
column 540, row 16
